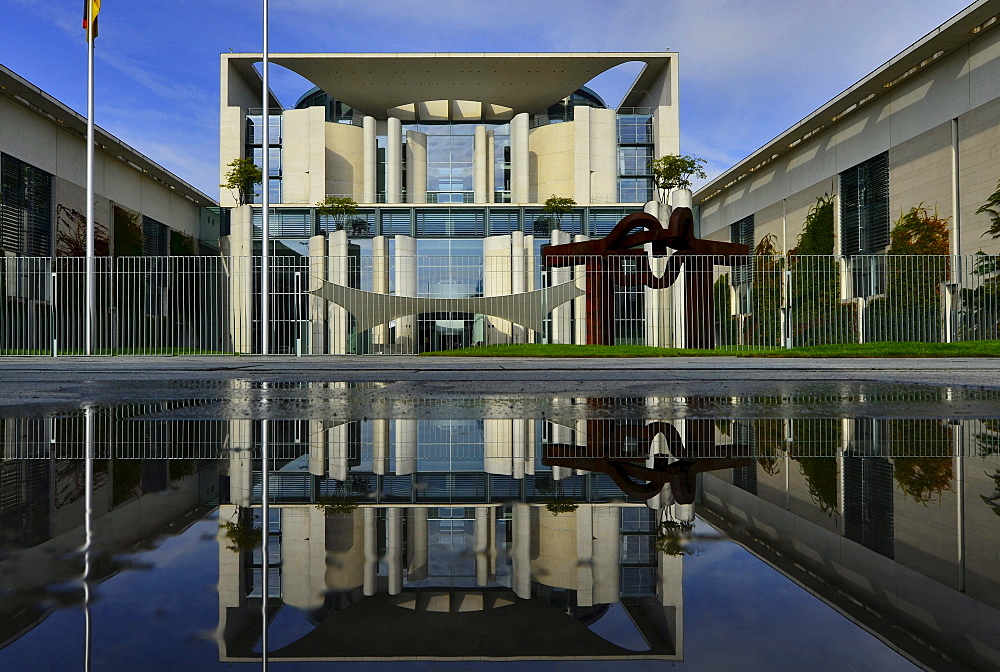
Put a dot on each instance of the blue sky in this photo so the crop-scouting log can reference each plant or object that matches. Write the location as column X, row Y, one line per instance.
column 749, row 68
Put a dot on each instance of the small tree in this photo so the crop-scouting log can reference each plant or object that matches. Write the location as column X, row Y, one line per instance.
column 558, row 206
column 674, row 171
column 992, row 208
column 339, row 208
column 242, row 175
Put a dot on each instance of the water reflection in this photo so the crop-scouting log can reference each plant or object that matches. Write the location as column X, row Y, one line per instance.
column 421, row 528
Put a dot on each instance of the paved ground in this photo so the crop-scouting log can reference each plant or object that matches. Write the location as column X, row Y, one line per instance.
column 39, row 380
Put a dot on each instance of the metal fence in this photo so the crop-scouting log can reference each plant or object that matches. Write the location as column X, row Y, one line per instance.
column 393, row 302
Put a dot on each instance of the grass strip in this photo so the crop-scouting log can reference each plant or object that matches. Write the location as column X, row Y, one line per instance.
column 873, row 350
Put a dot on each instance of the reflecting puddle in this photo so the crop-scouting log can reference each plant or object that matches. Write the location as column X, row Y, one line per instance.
column 712, row 532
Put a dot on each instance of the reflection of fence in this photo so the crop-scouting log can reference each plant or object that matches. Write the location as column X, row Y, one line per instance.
column 382, row 302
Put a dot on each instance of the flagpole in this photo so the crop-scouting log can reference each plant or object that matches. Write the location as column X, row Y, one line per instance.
column 265, row 231
column 89, row 321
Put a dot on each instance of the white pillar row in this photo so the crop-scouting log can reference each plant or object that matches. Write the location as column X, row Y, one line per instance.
column 497, row 282
column 484, row 545
column 561, row 315
column 607, row 553
column 519, row 182
column 380, row 446
column 491, row 164
column 406, row 446
column 517, row 284
column 406, row 285
column 497, row 446
column 416, row 167
column 240, row 469
column 317, row 304
column 317, row 447
column 529, row 275
column 380, row 284
column 370, row 161
column 480, row 172
column 417, row 543
column 521, row 551
column 394, row 549
column 337, row 273
column 370, row 585
column 585, row 556
column 580, row 302
column 239, row 247
column 394, row 161
column 338, row 449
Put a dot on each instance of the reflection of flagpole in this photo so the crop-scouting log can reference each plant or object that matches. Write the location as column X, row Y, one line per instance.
column 88, row 500
column 265, row 492
column 265, row 232
column 89, row 321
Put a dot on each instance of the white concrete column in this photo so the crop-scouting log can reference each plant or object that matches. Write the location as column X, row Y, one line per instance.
column 519, row 159
column 497, row 282
column 491, row 164
column 338, row 446
column 480, row 171
column 317, row 305
column 517, row 273
column 484, row 546
column 580, row 302
column 380, row 446
column 658, row 307
column 406, row 446
column 530, row 436
column 317, row 447
column 416, row 543
column 530, row 261
column 521, row 550
column 370, row 161
column 607, row 552
column 337, row 273
column 394, row 549
column 497, row 446
column 344, row 550
column 240, row 249
column 581, row 155
column 562, row 314
column 406, row 285
column 380, row 284
column 240, row 466
column 585, row 556
column 416, row 167
column 681, row 198
column 371, row 550
column 394, row 161
column 519, row 446
column 603, row 156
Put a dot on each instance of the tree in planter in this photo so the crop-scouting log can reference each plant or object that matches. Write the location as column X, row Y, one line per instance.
column 242, row 175
column 557, row 206
column 672, row 538
column 241, row 531
column 911, row 308
column 818, row 317
column 674, row 171
column 337, row 208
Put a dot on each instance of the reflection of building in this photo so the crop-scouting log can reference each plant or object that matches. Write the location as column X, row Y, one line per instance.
column 449, row 156
column 445, row 582
column 885, row 520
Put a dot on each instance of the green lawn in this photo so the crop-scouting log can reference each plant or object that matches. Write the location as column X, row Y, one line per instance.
column 892, row 349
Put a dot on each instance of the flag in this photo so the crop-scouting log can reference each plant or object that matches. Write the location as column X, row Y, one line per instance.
column 96, row 4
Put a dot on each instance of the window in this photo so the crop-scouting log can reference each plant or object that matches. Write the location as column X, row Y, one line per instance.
column 864, row 207
column 635, row 160
column 25, row 208
column 635, row 189
column 742, row 233
column 635, row 129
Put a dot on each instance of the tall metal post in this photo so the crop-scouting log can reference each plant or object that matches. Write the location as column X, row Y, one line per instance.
column 265, row 232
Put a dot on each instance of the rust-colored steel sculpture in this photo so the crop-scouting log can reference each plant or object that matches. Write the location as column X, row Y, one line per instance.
column 620, row 450
column 605, row 268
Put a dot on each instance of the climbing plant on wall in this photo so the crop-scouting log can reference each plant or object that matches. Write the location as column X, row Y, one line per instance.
column 764, row 326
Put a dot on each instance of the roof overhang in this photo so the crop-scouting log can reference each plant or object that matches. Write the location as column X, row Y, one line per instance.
column 523, row 82
column 951, row 35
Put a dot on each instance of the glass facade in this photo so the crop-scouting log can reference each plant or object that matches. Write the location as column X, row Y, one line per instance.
column 26, row 204
column 255, row 150
column 635, row 155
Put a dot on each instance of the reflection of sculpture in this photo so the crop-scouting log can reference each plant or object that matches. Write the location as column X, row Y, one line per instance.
column 619, row 259
column 620, row 450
